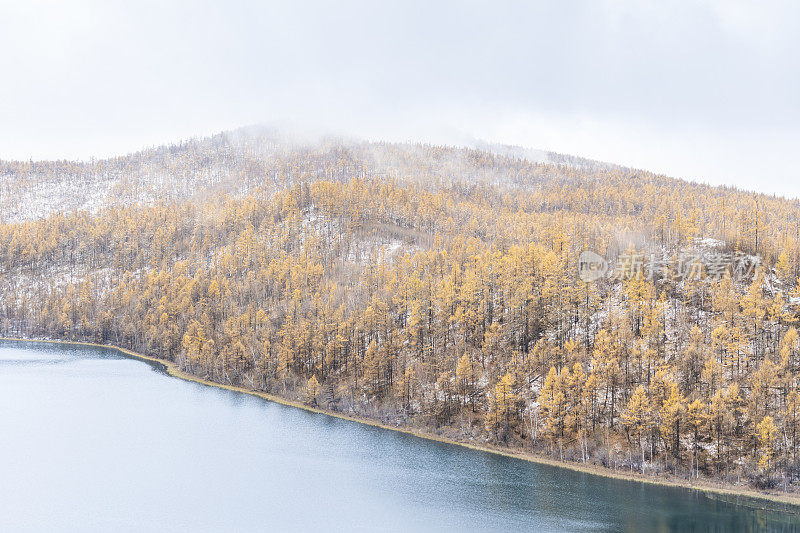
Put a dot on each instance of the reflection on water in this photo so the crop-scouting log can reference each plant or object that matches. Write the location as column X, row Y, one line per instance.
column 90, row 440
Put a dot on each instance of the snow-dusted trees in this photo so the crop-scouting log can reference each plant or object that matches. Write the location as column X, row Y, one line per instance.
column 438, row 301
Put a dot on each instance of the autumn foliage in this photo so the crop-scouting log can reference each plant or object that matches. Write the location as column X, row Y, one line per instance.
column 436, row 287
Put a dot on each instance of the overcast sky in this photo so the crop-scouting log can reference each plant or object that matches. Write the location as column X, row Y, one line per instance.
column 701, row 90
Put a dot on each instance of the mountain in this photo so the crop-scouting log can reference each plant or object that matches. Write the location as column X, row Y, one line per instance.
column 240, row 160
column 433, row 287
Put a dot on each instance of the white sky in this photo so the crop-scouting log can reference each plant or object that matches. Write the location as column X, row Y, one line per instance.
column 702, row 90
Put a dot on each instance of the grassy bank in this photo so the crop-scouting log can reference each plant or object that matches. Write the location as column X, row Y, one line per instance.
column 753, row 498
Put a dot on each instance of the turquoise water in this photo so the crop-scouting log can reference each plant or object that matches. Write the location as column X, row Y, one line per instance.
column 93, row 441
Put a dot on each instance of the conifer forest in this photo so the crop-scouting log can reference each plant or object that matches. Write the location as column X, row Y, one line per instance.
column 433, row 288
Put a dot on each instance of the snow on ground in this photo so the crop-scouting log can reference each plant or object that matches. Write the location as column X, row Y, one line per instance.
column 708, row 242
column 41, row 198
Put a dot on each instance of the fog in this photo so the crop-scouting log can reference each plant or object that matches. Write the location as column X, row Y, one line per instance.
column 701, row 90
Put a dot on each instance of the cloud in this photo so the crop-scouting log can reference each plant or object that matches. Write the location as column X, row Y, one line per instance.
column 703, row 89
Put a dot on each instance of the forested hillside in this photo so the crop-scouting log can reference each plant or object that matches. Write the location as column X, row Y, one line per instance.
column 431, row 287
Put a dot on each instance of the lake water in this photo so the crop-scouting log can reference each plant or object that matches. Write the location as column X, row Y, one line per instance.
column 93, row 441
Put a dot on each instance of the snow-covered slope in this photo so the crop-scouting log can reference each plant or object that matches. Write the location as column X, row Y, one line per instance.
column 246, row 158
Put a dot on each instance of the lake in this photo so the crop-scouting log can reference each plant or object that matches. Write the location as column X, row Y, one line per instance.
column 91, row 440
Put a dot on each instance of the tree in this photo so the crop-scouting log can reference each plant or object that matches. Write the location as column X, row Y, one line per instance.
column 553, row 405
column 606, row 366
column 791, row 416
column 767, row 434
column 501, row 417
column 312, row 390
column 673, row 410
column 636, row 418
column 696, row 418
column 579, row 393
column 405, row 386
column 465, row 374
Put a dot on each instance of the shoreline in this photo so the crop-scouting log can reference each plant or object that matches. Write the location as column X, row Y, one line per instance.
column 754, row 496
